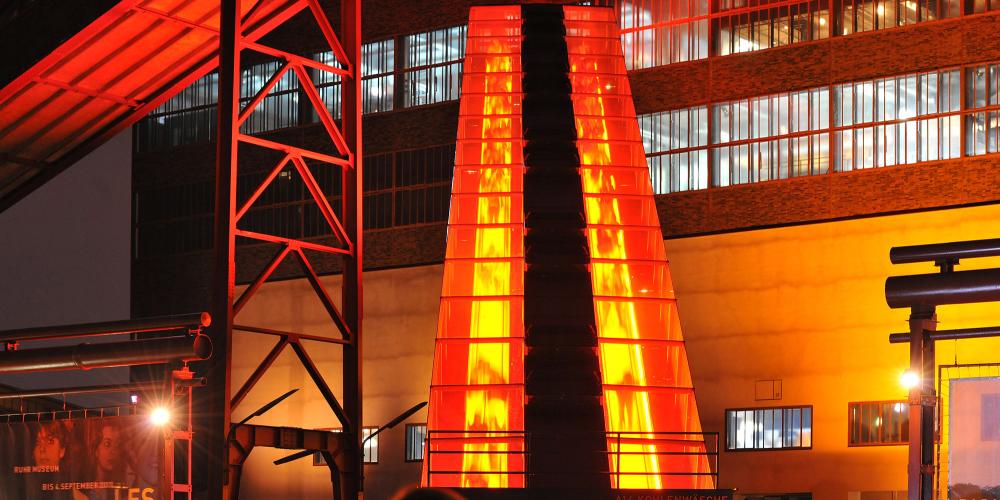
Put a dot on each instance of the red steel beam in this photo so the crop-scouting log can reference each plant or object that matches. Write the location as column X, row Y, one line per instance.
column 261, row 278
column 292, row 243
column 262, row 187
column 259, row 372
column 353, row 187
column 262, row 93
column 346, row 139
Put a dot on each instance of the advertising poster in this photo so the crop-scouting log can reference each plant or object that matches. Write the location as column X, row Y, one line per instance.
column 107, row 458
column 974, row 449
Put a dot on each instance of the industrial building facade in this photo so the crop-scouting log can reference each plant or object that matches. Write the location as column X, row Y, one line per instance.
column 790, row 144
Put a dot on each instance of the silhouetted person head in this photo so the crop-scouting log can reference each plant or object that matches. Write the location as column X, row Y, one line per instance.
column 414, row 493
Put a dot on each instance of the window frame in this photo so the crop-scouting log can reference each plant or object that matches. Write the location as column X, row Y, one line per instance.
column 401, row 55
column 375, row 447
column 812, row 430
column 853, row 404
column 423, row 443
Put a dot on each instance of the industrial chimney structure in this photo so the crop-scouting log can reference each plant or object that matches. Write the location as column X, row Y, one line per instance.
column 559, row 359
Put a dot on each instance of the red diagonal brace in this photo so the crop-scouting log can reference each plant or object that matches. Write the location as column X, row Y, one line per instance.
column 259, row 372
column 261, row 278
column 331, row 38
column 321, row 110
column 324, row 297
column 262, row 93
column 320, row 198
column 321, row 384
column 262, row 187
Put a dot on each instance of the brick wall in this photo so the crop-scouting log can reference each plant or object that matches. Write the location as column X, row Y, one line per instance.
column 903, row 188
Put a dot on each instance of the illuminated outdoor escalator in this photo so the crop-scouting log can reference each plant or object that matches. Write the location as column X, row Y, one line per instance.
column 564, row 417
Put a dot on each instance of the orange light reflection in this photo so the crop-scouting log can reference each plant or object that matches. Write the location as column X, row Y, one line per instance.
column 629, row 272
column 484, row 271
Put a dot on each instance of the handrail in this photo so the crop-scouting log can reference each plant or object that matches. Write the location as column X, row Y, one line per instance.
column 456, row 437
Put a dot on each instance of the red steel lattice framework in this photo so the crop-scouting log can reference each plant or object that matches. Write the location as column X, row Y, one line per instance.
column 345, row 139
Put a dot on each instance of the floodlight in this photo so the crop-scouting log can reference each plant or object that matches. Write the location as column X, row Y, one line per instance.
column 160, row 416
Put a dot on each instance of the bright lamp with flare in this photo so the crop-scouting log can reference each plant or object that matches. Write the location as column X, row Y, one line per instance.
column 159, row 416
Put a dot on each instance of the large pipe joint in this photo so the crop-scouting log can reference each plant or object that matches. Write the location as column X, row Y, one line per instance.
column 928, row 290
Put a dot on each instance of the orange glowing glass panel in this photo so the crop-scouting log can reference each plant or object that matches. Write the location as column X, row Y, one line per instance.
column 477, row 386
column 645, row 375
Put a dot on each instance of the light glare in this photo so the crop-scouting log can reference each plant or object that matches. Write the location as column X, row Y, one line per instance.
column 160, row 416
column 909, row 379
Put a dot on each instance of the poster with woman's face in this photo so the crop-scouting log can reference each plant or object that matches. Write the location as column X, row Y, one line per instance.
column 81, row 459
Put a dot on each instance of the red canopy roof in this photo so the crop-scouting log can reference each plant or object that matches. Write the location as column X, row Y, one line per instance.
column 109, row 75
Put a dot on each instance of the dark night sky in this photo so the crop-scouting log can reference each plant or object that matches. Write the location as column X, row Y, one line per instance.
column 64, row 255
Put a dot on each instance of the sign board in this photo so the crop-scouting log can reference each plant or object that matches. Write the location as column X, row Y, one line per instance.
column 105, row 458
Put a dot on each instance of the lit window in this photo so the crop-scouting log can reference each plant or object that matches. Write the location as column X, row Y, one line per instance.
column 328, row 85
column 771, row 137
column 416, row 435
column 377, row 64
column 767, row 27
column 676, row 144
column 769, row 428
column 867, row 15
column 881, row 124
column 659, row 32
column 371, row 446
column 876, row 423
column 432, row 66
column 279, row 109
column 377, row 60
column 983, row 126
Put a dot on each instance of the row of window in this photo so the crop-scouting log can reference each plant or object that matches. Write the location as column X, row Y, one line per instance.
column 430, row 72
column 869, row 423
column 859, row 125
column 660, row 32
column 653, row 33
column 400, row 189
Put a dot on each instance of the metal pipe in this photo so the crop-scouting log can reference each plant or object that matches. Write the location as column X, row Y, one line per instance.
column 99, row 389
column 938, row 251
column 960, row 287
column 192, row 321
column 72, row 391
column 87, row 356
column 961, row 333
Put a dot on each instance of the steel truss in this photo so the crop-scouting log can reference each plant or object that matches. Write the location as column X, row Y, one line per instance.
column 223, row 452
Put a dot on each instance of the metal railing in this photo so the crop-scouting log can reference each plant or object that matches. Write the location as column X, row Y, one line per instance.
column 446, row 443
column 666, row 444
column 459, row 439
